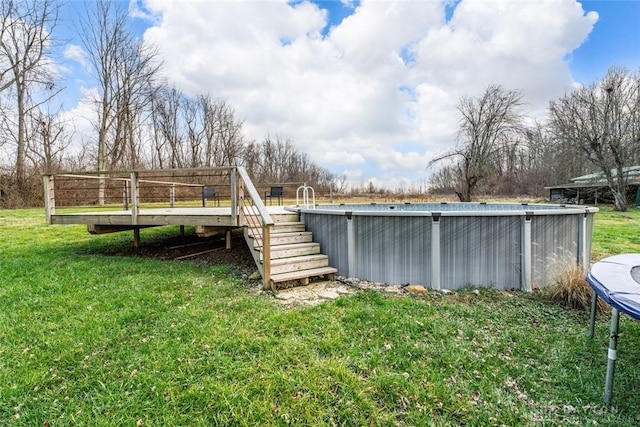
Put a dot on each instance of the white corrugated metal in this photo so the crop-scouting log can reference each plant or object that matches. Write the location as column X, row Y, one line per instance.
column 554, row 245
column 481, row 251
column 331, row 232
column 393, row 249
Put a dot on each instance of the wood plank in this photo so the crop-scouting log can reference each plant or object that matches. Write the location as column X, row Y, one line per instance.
column 303, row 274
column 306, row 262
column 289, row 238
column 297, row 249
column 290, row 227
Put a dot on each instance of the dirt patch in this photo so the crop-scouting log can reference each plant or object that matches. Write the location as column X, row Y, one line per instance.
column 190, row 247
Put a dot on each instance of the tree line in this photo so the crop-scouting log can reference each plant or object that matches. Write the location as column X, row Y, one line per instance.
column 595, row 128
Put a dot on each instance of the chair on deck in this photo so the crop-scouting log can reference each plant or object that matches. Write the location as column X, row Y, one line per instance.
column 276, row 192
column 209, row 193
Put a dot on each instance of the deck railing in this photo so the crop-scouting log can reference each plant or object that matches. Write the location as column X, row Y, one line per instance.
column 253, row 213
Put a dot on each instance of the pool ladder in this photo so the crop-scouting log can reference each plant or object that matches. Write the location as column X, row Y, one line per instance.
column 305, row 196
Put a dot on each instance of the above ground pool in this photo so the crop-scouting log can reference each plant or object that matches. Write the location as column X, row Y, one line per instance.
column 452, row 245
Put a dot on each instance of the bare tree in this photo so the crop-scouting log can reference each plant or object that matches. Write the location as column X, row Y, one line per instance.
column 124, row 68
column 488, row 124
column 223, row 132
column 47, row 139
column 167, row 103
column 25, row 39
column 603, row 120
column 195, row 132
column 279, row 161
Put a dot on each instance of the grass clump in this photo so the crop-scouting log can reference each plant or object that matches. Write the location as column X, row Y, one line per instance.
column 570, row 289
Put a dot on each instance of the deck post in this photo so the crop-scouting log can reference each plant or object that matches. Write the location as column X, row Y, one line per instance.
column 266, row 257
column 228, row 239
column 234, row 196
column 435, row 251
column 242, row 220
column 351, row 247
column 49, row 197
column 525, row 274
column 135, row 198
column 125, row 195
column 136, row 238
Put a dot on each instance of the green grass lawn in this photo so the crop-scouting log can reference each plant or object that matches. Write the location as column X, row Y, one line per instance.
column 96, row 340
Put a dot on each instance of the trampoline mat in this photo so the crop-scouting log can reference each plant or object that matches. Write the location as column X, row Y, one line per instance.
column 616, row 279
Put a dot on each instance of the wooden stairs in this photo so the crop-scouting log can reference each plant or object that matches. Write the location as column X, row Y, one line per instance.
column 294, row 254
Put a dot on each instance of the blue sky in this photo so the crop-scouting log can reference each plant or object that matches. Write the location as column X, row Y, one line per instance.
column 369, row 88
column 615, row 39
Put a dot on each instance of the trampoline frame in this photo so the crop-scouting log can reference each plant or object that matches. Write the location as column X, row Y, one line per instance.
column 618, row 264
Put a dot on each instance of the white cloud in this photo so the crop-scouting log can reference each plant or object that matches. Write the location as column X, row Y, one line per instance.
column 80, row 118
column 75, row 53
column 391, row 71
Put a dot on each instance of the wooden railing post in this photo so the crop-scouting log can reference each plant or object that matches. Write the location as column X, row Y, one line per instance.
column 49, row 197
column 266, row 256
column 135, row 198
column 234, row 195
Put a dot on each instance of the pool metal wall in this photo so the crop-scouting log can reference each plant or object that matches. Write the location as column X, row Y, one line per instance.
column 513, row 249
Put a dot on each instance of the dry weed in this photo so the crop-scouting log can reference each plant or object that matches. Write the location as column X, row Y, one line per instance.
column 570, row 289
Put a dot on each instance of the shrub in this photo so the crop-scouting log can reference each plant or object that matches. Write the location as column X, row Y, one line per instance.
column 570, row 289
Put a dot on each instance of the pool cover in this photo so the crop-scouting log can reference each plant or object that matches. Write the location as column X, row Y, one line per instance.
column 617, row 280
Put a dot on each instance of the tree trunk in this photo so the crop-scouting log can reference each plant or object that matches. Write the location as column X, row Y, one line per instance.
column 620, row 200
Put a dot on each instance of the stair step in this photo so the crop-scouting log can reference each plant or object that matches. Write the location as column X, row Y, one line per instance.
column 290, row 238
column 288, row 217
column 279, row 228
column 305, row 262
column 277, row 218
column 293, row 250
column 303, row 274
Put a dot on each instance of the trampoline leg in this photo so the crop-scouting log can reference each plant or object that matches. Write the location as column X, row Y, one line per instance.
column 594, row 304
column 611, row 363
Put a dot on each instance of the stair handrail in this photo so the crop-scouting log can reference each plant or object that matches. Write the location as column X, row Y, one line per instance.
column 305, row 195
column 266, row 222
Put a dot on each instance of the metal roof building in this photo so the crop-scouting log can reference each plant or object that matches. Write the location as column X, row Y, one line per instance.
column 593, row 188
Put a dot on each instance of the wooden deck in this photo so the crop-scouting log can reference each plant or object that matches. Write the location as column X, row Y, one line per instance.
column 82, row 197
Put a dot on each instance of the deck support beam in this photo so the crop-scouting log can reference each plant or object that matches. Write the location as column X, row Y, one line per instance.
column 136, row 238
